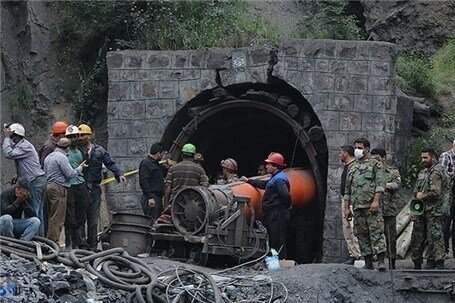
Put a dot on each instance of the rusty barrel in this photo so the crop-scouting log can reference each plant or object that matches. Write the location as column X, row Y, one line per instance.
column 194, row 207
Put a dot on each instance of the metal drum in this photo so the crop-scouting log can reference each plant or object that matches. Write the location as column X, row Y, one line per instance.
column 130, row 231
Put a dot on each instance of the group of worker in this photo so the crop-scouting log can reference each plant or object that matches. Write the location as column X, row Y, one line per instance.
column 369, row 191
column 159, row 190
column 56, row 187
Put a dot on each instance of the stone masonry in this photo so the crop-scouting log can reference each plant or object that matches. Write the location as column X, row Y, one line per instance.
column 349, row 84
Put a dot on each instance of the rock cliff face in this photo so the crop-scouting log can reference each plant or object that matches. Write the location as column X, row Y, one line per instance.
column 418, row 26
column 30, row 63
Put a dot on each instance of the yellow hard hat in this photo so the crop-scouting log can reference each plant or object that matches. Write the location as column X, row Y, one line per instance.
column 84, row 129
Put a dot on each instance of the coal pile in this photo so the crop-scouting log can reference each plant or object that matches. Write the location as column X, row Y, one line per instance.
column 36, row 281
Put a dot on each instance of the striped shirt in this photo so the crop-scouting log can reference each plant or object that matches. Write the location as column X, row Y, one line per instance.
column 447, row 160
column 185, row 173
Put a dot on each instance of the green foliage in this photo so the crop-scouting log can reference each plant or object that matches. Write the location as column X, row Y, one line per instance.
column 436, row 138
column 444, row 62
column 414, row 76
column 21, row 102
column 330, row 22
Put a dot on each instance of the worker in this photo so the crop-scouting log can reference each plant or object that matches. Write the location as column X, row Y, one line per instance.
column 347, row 157
column 58, row 172
column 18, row 216
column 229, row 168
column 57, row 131
column 96, row 156
column 448, row 162
column 78, row 196
column 432, row 188
column 16, row 147
column 151, row 181
column 261, row 171
column 389, row 203
column 364, row 189
column 275, row 202
column 199, row 158
column 183, row 174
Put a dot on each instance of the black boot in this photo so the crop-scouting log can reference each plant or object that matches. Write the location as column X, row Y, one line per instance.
column 430, row 264
column 381, row 264
column 67, row 238
column 417, row 265
column 392, row 263
column 439, row 264
column 368, row 262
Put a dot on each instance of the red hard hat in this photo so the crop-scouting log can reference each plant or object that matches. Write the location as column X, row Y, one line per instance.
column 230, row 164
column 59, row 127
column 276, row 158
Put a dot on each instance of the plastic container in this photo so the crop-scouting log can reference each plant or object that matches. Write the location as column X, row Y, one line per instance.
column 7, row 288
column 272, row 262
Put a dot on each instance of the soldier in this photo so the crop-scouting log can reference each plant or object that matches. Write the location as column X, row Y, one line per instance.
column 229, row 167
column 432, row 188
column 389, row 203
column 347, row 157
column 364, row 188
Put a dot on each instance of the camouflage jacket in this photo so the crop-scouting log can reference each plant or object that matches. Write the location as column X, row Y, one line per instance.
column 390, row 198
column 365, row 178
column 434, row 182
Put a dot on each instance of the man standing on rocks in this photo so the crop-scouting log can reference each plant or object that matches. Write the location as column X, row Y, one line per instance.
column 58, row 172
column 96, row 156
column 432, row 188
column 27, row 165
column 364, row 189
column 275, row 202
column 389, row 203
column 347, row 157
column 448, row 162
column 151, row 181
column 18, row 216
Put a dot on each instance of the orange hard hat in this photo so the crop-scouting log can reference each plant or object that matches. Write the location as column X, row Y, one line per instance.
column 59, row 127
column 275, row 158
column 230, row 164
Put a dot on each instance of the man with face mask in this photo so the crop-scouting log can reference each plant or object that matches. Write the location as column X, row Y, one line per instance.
column 433, row 189
column 364, row 188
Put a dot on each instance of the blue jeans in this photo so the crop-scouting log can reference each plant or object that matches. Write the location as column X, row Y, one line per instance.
column 24, row 229
column 37, row 188
column 6, row 226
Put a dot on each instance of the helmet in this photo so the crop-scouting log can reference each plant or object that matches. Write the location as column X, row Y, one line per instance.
column 84, row 129
column 230, row 164
column 17, row 129
column 198, row 157
column 189, row 148
column 72, row 130
column 275, row 158
column 59, row 127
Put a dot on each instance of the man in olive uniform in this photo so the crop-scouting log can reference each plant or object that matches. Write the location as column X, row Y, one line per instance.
column 389, row 204
column 364, row 188
column 432, row 188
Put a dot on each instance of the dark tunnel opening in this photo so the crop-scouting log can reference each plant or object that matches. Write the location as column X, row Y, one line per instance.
column 248, row 121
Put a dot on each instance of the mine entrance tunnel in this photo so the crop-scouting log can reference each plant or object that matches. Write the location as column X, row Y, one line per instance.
column 248, row 121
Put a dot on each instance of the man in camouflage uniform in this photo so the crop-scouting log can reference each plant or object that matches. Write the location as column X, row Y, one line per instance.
column 432, row 188
column 389, row 203
column 364, row 188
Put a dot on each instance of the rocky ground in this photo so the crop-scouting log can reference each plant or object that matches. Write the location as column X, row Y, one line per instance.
column 46, row 282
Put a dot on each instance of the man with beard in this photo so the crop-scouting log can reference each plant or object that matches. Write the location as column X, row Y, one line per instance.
column 432, row 188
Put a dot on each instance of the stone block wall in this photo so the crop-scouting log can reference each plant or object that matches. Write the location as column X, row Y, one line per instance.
column 349, row 84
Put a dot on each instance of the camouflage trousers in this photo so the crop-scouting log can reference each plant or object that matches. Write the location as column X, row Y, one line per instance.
column 369, row 230
column 428, row 228
column 390, row 231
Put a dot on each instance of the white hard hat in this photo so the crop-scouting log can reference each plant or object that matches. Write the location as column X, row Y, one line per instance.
column 17, row 129
column 72, row 130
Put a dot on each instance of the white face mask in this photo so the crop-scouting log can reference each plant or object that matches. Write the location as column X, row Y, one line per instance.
column 358, row 153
